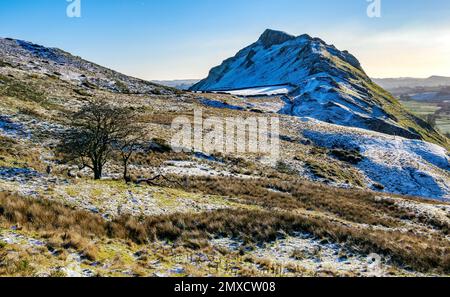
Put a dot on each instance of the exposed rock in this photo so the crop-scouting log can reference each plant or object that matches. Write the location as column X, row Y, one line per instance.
column 272, row 37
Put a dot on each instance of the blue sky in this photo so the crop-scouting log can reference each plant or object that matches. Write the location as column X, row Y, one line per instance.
column 170, row 39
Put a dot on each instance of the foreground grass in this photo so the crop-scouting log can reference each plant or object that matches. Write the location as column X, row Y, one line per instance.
column 70, row 228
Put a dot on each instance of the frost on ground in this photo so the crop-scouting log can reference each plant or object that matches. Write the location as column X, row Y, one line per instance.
column 21, row 127
column 401, row 166
column 12, row 129
column 314, row 255
column 17, row 242
column 188, row 168
column 110, row 198
column 218, row 104
column 435, row 212
column 26, row 181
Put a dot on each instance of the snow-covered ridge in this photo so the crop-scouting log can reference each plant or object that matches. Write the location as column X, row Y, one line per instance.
column 327, row 84
column 276, row 58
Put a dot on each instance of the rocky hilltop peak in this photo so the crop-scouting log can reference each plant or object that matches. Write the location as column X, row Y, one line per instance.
column 325, row 83
column 273, row 37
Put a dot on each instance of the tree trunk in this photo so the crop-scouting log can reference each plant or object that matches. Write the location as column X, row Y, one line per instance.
column 97, row 171
column 125, row 171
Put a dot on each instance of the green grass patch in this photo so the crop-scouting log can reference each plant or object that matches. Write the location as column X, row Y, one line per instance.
column 11, row 87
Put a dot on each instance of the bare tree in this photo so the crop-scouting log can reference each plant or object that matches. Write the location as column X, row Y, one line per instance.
column 128, row 146
column 97, row 129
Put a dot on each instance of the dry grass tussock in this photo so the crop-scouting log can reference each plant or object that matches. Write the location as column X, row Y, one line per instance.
column 289, row 193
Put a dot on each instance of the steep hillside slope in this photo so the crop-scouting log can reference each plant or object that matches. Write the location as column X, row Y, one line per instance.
column 327, row 84
column 53, row 62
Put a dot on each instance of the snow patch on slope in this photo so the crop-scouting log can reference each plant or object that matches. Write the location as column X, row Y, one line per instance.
column 261, row 91
column 219, row 104
column 402, row 166
column 12, row 129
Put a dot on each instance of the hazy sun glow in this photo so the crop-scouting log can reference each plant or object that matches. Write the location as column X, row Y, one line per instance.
column 416, row 53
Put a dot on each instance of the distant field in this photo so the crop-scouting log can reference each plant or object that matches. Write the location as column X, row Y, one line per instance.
column 422, row 109
column 444, row 124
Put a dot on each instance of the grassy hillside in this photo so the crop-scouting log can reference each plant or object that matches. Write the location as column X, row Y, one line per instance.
column 407, row 119
column 394, row 109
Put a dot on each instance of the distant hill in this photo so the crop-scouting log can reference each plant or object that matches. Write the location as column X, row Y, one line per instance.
column 181, row 84
column 433, row 89
column 409, row 82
